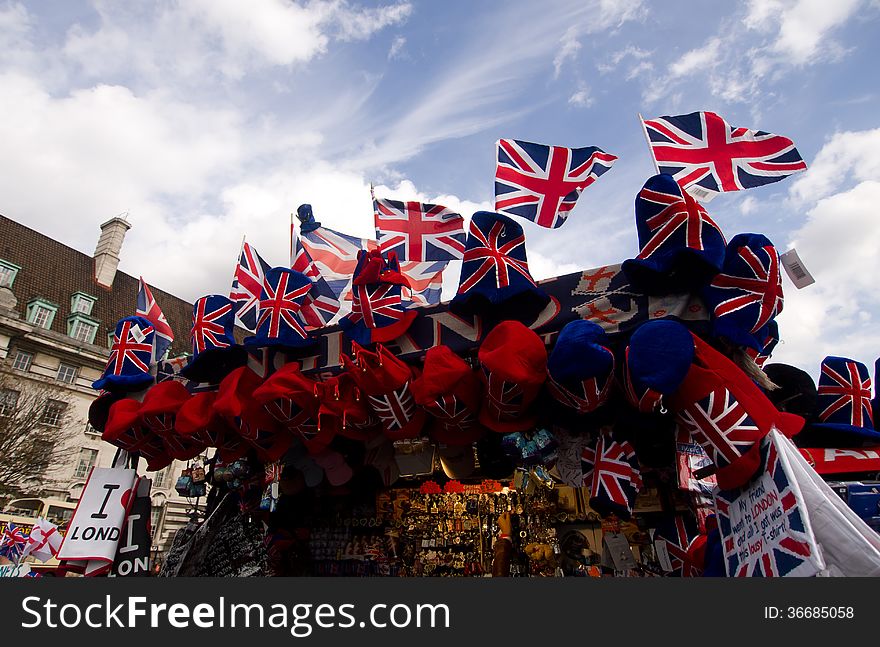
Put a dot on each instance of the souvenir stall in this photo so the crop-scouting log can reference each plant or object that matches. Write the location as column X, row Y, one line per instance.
column 618, row 421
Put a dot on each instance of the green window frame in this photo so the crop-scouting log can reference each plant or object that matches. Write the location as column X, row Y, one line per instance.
column 41, row 313
column 77, row 322
column 8, row 272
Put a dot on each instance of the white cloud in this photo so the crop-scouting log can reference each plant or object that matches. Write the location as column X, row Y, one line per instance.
column 696, row 60
column 855, row 154
column 581, row 98
column 569, row 46
column 748, row 205
column 396, row 49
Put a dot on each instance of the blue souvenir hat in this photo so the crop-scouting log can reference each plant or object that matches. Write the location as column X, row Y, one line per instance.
column 747, row 294
column 844, row 401
column 682, row 248
column 279, row 322
column 580, row 367
column 128, row 368
column 495, row 280
column 215, row 351
column 769, row 335
column 378, row 312
column 658, row 358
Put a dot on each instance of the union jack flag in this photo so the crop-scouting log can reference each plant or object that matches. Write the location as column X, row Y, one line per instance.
column 321, row 303
column 128, row 354
column 377, row 304
column 418, row 231
column 721, row 425
column 706, row 155
column 150, row 310
column 396, row 409
column 845, row 390
column 334, row 255
column 206, row 331
column 791, row 553
column 588, row 462
column 588, row 395
column 425, row 282
column 488, row 249
column 280, row 304
column 542, row 183
column 678, row 534
column 13, row 542
column 668, row 213
column 616, row 476
column 247, row 285
column 763, row 288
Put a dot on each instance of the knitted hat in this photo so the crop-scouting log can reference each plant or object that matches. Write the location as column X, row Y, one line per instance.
column 451, row 392
column 215, row 351
column 124, row 428
column 385, row 380
column 747, row 294
column 343, row 410
column 615, row 479
column 514, row 363
column 681, row 246
column 198, row 419
column 279, row 322
column 292, row 399
column 769, row 336
column 495, row 280
column 726, row 412
column 675, row 535
column 378, row 311
column 99, row 409
column 844, row 402
column 158, row 414
column 658, row 358
column 580, row 368
column 128, row 368
column 797, row 391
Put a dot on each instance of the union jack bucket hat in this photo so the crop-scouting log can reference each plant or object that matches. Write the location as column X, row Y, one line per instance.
column 844, row 398
column 158, row 413
column 745, row 297
column 658, row 358
column 580, row 369
column 279, row 321
column 612, row 470
column 451, row 392
column 386, row 380
column 495, row 281
column 378, row 311
column 215, row 351
column 726, row 413
column 292, row 399
column 128, row 368
column 514, row 367
column 681, row 247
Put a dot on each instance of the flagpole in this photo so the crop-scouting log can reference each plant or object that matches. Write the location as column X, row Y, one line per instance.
column 291, row 239
column 648, row 141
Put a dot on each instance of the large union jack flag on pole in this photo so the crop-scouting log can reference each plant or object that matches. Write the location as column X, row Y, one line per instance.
column 707, row 156
column 418, row 231
column 322, row 303
column 542, row 183
column 247, row 284
column 150, row 310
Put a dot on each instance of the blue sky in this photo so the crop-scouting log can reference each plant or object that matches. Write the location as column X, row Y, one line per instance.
column 209, row 119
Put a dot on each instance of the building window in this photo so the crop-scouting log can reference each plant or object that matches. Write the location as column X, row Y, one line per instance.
column 82, row 303
column 87, row 459
column 22, row 360
column 67, row 373
column 8, row 272
column 41, row 313
column 155, row 519
column 91, row 431
column 8, row 401
column 53, row 412
column 160, row 479
column 82, row 328
column 110, row 337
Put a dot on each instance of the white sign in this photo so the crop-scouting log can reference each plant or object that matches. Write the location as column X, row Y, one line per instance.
column 94, row 531
column 15, row 570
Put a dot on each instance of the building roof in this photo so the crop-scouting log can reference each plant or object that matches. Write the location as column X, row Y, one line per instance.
column 54, row 272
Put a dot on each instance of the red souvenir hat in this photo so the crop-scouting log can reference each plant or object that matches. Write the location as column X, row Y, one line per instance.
column 158, row 413
column 198, row 419
column 156, row 452
column 726, row 413
column 99, row 409
column 385, row 380
column 292, row 399
column 514, row 362
column 124, row 428
column 344, row 409
column 450, row 391
column 236, row 405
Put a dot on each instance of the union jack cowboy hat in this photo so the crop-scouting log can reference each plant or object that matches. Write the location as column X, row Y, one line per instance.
column 279, row 321
column 581, row 367
column 198, row 419
column 612, row 471
column 236, row 404
column 514, row 368
column 451, row 392
column 747, row 294
column 844, row 399
column 385, row 380
column 657, row 360
column 215, row 351
column 158, row 413
column 292, row 399
column 681, row 247
column 378, row 310
column 728, row 414
column 128, row 368
column 495, row 281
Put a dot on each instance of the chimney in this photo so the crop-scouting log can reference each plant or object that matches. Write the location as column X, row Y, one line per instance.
column 108, row 248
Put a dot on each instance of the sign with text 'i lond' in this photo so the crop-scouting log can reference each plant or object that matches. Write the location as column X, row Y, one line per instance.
column 765, row 527
column 94, row 531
